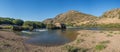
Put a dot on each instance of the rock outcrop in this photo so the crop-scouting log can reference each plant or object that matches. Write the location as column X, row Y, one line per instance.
column 56, row 26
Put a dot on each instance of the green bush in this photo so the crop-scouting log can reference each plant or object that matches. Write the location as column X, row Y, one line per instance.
column 80, row 40
column 7, row 27
column 6, row 20
column 39, row 25
column 27, row 28
column 33, row 24
column 0, row 27
column 100, row 47
column 50, row 26
column 71, row 48
column 17, row 28
column 18, row 22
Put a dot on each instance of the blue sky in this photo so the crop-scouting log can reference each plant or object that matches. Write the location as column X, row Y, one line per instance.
column 38, row 10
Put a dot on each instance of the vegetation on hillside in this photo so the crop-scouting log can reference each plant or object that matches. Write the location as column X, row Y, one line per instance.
column 111, row 25
column 110, row 19
column 6, row 20
column 10, row 23
column 18, row 22
column 70, row 19
column 33, row 24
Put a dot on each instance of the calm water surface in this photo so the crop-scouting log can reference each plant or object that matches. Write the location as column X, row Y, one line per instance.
column 50, row 37
column 46, row 37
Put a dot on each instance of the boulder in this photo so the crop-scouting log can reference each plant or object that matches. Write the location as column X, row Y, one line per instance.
column 60, row 25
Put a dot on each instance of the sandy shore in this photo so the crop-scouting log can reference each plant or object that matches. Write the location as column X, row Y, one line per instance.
column 89, row 40
column 98, row 41
column 10, row 42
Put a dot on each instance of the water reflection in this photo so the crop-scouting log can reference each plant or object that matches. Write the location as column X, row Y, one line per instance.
column 51, row 37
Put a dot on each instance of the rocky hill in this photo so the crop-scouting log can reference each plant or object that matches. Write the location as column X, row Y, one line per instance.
column 75, row 18
column 48, row 21
column 72, row 18
column 112, row 16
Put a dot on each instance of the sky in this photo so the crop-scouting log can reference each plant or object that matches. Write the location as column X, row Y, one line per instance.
column 39, row 10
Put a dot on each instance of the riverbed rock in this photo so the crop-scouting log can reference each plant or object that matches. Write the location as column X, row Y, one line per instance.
column 56, row 26
column 60, row 25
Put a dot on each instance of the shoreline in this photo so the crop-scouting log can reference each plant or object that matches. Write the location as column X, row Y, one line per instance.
column 10, row 42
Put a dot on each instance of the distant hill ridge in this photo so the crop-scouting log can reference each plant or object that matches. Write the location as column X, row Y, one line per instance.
column 75, row 18
column 111, row 16
column 72, row 17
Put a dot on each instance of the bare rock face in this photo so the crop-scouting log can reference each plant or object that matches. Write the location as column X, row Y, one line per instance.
column 73, row 18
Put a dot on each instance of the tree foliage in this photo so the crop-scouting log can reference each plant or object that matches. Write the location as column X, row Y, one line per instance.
column 6, row 20
column 34, row 24
column 26, row 25
column 18, row 22
column 50, row 26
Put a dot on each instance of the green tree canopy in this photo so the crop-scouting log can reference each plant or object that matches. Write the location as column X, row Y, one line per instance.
column 39, row 25
column 34, row 24
column 29, row 24
column 6, row 20
column 18, row 22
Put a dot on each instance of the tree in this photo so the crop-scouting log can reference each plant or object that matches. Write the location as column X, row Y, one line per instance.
column 39, row 25
column 29, row 24
column 34, row 24
column 6, row 20
column 18, row 22
column 50, row 26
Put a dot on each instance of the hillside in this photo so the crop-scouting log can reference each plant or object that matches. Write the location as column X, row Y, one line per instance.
column 112, row 16
column 72, row 18
column 48, row 21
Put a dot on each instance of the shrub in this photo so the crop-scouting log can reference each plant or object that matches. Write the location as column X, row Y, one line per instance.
column 33, row 24
column 105, row 42
column 6, row 20
column 100, row 47
column 18, row 22
column 7, row 27
column 110, row 31
column 80, row 40
column 17, row 28
column 74, row 49
column 0, row 27
column 39, row 25
column 50, row 26
column 109, row 35
column 71, row 48
column 27, row 28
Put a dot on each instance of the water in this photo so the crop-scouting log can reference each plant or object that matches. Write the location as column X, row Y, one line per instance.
column 46, row 37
